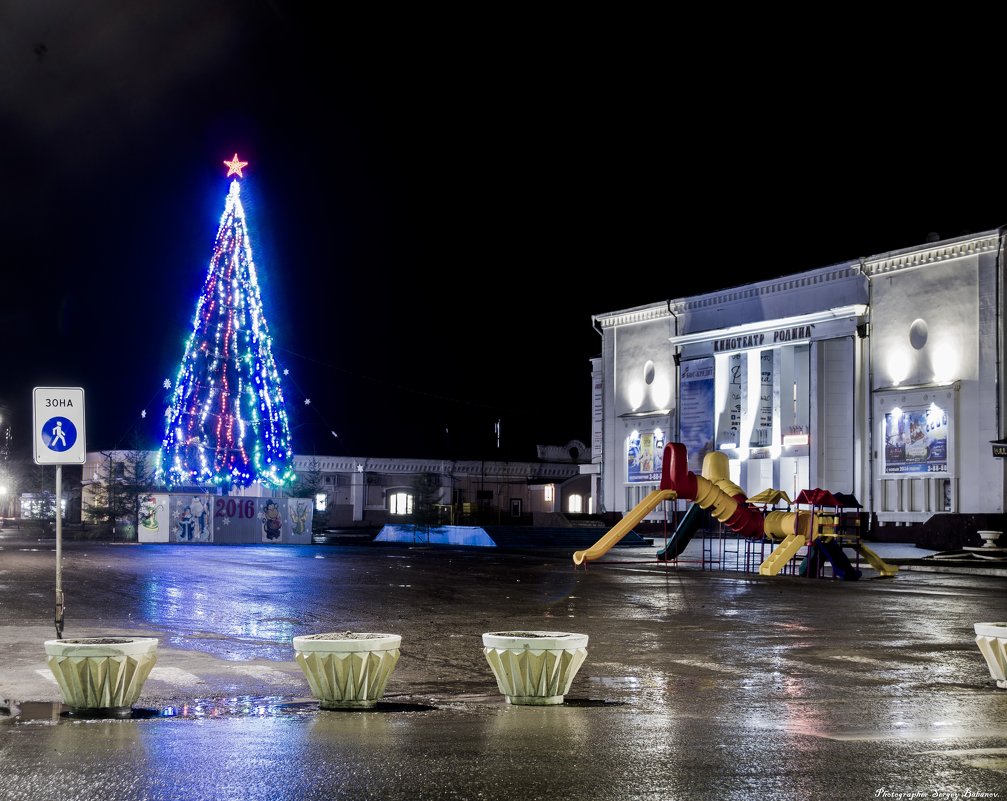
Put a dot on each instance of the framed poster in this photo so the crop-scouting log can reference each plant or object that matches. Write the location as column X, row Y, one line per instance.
column 917, row 431
column 645, row 452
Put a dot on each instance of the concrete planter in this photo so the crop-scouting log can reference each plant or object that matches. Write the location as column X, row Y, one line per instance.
column 347, row 670
column 992, row 641
column 989, row 538
column 101, row 676
column 534, row 668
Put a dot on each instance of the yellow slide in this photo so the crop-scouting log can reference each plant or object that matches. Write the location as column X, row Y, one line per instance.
column 793, row 531
column 781, row 554
column 876, row 561
column 624, row 526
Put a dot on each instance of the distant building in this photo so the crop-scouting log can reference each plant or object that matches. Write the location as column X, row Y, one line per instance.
column 881, row 377
column 367, row 492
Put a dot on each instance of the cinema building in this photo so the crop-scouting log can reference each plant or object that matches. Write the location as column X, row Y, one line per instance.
column 881, row 377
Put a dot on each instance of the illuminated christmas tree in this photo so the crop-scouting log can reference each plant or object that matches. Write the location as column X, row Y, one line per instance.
column 227, row 423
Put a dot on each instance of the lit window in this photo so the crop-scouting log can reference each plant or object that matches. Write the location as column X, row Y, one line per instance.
column 548, row 493
column 576, row 504
column 320, row 501
column 400, row 503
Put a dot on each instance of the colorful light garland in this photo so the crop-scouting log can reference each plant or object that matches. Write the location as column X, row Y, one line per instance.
column 227, row 423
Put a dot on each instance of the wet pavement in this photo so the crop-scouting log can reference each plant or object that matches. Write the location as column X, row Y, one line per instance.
column 699, row 683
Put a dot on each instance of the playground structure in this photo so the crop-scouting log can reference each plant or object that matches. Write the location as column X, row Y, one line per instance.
column 817, row 529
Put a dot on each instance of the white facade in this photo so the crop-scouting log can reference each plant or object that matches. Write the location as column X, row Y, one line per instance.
column 795, row 379
column 937, row 338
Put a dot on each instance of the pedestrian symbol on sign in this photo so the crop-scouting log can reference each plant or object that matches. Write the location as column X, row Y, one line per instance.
column 59, row 434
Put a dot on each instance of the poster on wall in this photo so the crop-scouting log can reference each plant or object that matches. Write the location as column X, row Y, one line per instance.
column 916, row 441
column 197, row 517
column 190, row 519
column 155, row 522
column 300, row 511
column 272, row 519
column 696, row 410
column 645, row 456
column 729, row 431
column 597, row 415
column 762, row 432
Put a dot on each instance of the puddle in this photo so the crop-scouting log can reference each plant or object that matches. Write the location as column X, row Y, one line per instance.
column 983, row 758
column 591, row 702
column 632, row 682
column 27, row 712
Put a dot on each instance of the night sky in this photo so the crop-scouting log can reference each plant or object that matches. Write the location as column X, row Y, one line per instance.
column 439, row 201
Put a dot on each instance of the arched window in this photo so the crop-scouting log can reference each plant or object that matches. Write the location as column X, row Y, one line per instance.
column 400, row 503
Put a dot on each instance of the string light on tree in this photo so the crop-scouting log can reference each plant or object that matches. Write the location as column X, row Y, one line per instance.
column 226, row 423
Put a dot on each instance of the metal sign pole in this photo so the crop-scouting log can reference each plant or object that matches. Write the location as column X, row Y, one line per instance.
column 59, row 552
column 58, row 420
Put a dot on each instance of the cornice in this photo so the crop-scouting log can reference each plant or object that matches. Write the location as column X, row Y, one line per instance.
column 939, row 252
column 640, row 314
column 697, row 303
column 786, row 284
column 386, row 466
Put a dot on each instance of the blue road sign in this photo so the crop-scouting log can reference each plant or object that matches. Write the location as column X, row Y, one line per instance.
column 59, row 434
column 58, row 420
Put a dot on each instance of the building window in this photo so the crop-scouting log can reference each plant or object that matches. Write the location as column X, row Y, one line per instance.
column 321, row 500
column 400, row 503
column 548, row 491
column 40, row 505
column 575, row 504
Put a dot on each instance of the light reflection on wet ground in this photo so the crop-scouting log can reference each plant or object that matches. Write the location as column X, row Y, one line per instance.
column 209, row 708
column 696, row 685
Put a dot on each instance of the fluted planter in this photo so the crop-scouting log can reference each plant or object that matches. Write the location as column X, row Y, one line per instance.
column 101, row 676
column 989, row 538
column 347, row 670
column 534, row 668
column 992, row 641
